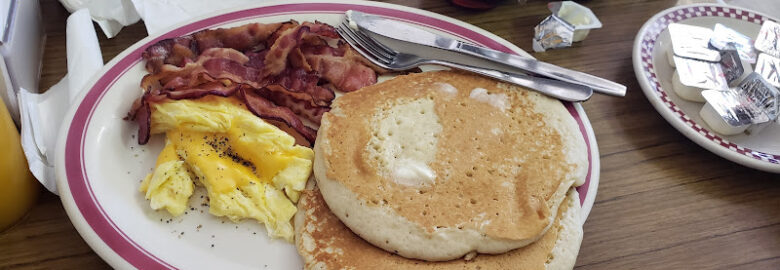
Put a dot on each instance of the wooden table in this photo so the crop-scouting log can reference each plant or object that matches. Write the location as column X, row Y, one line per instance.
column 663, row 202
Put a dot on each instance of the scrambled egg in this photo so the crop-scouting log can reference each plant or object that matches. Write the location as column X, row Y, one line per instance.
column 250, row 168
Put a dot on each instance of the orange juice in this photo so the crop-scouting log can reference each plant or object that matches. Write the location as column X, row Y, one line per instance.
column 18, row 188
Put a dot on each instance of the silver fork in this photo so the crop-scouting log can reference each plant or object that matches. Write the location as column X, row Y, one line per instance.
column 389, row 59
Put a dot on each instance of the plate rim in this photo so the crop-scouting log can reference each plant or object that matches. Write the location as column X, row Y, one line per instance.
column 668, row 110
column 116, row 260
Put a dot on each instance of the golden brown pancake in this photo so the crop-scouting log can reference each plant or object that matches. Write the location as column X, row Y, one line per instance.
column 325, row 243
column 437, row 165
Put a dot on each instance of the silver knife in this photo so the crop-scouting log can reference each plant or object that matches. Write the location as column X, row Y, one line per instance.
column 379, row 27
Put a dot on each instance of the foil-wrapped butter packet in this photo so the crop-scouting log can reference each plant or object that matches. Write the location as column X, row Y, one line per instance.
column 694, row 76
column 754, row 102
column 553, row 32
column 767, row 40
column 701, row 74
column 768, row 66
column 579, row 16
column 767, row 98
column 759, row 92
column 730, row 63
column 692, row 42
column 723, row 36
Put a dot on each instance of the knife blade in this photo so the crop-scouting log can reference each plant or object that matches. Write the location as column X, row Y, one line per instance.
column 379, row 27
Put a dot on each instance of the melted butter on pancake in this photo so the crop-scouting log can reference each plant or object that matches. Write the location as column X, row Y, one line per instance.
column 405, row 142
column 499, row 100
column 446, row 88
column 507, row 164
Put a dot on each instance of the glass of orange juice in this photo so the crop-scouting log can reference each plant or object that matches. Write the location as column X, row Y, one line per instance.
column 18, row 188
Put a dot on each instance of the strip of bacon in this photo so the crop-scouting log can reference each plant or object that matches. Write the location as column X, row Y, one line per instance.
column 222, row 64
column 175, row 51
column 266, row 109
column 210, row 88
column 143, row 117
column 290, row 40
column 276, row 58
column 248, row 37
column 213, row 64
column 182, row 50
column 303, row 86
column 340, row 66
column 304, row 109
column 280, row 70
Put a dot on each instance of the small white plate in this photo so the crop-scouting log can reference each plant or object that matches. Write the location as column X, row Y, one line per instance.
column 760, row 151
column 99, row 163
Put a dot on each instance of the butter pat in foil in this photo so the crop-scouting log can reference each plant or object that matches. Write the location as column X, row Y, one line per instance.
column 717, row 123
column 579, row 16
column 767, row 40
column 553, row 32
column 767, row 97
column 693, row 76
column 692, row 42
column 768, row 67
column 754, row 102
column 723, row 36
column 732, row 64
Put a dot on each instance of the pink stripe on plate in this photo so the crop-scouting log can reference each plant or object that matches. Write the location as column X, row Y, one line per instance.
column 582, row 190
column 78, row 180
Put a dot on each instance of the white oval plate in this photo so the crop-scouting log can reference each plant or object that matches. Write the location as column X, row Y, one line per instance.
column 99, row 164
column 760, row 151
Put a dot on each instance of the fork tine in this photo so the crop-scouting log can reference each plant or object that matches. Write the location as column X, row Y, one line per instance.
column 347, row 35
column 350, row 37
column 372, row 44
column 379, row 45
column 356, row 44
column 368, row 43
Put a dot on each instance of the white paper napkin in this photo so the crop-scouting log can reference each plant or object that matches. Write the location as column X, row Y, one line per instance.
column 111, row 15
column 159, row 14
column 42, row 114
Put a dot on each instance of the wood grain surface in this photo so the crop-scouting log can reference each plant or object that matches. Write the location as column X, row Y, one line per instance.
column 663, row 202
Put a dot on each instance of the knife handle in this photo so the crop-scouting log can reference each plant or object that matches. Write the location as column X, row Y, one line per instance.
column 530, row 65
column 558, row 89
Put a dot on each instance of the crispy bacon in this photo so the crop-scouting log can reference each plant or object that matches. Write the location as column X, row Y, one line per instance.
column 303, row 86
column 341, row 66
column 280, row 70
column 268, row 110
column 143, row 117
column 304, row 109
column 212, row 64
column 248, row 37
column 210, row 88
column 182, row 50
column 289, row 41
column 175, row 51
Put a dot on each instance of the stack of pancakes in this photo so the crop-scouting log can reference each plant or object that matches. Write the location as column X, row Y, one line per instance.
column 444, row 170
